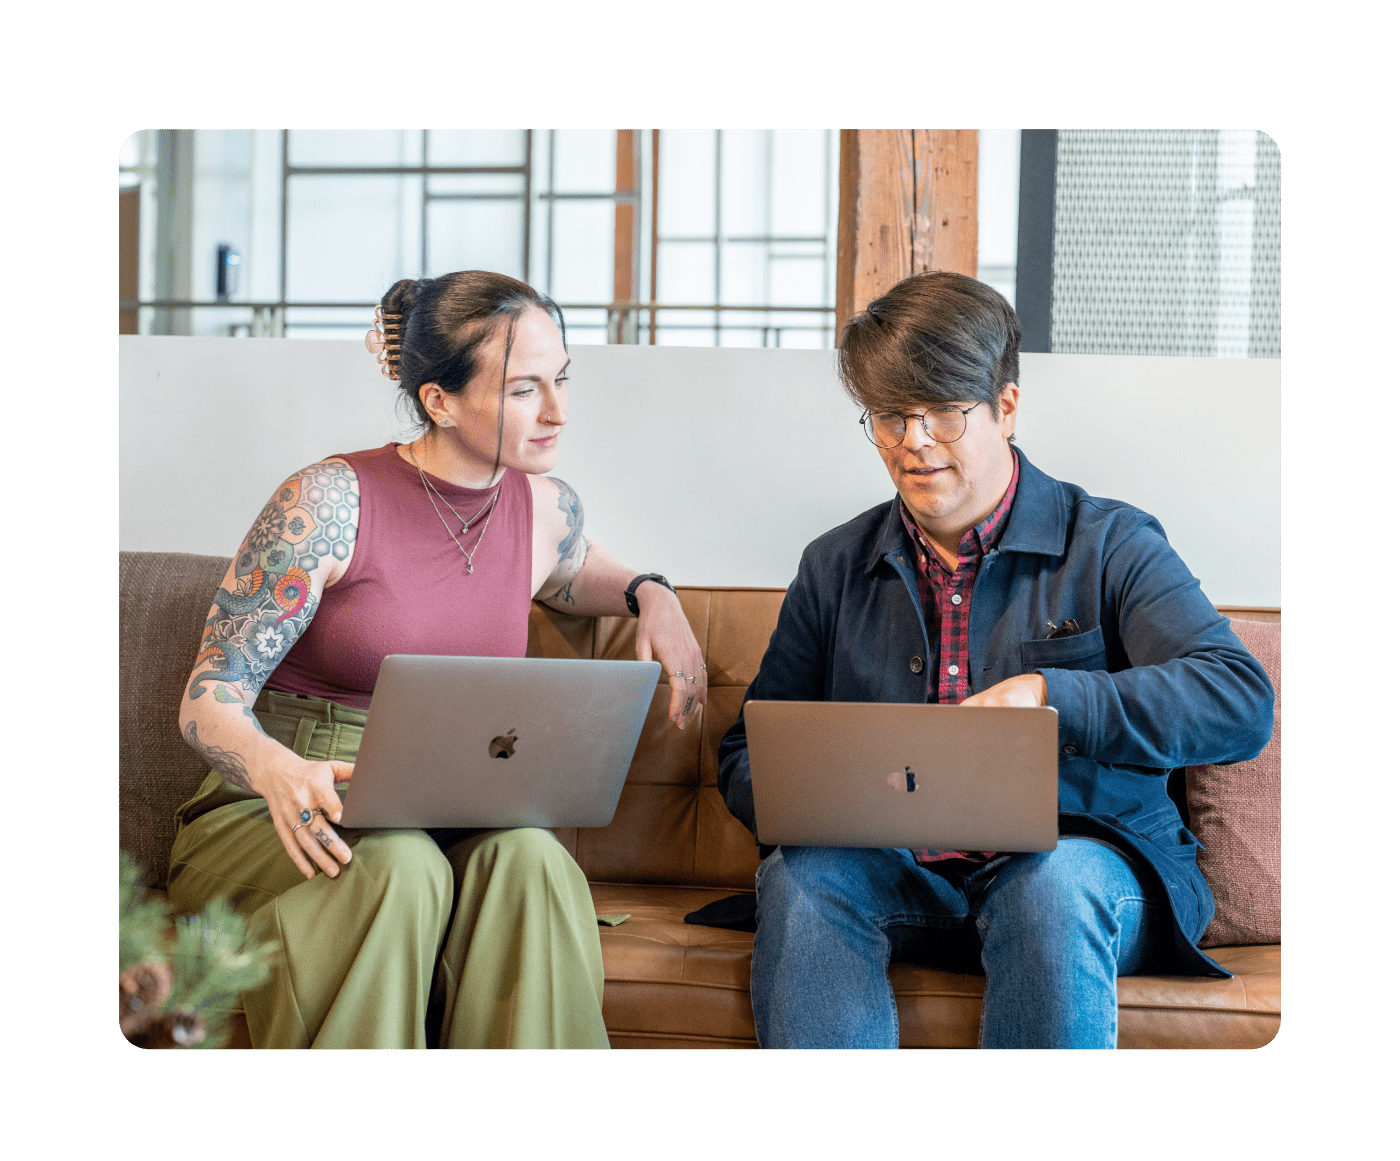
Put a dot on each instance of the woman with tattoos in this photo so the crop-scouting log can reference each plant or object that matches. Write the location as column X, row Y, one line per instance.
column 407, row 938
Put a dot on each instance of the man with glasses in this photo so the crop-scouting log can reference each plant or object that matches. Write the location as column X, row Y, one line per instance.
column 986, row 582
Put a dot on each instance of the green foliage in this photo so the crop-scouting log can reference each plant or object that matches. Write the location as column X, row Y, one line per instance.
column 211, row 958
column 144, row 921
column 213, row 962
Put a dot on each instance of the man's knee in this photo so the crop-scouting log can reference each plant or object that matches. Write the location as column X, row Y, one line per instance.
column 796, row 871
column 1081, row 885
column 824, row 880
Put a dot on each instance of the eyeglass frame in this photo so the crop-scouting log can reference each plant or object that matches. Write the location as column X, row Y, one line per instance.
column 923, row 421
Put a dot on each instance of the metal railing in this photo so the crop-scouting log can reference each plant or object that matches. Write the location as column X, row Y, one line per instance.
column 626, row 322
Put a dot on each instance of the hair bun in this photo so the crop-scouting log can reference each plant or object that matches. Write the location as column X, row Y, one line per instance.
column 400, row 298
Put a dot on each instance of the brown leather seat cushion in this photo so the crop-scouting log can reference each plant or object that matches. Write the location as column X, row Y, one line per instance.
column 676, row 985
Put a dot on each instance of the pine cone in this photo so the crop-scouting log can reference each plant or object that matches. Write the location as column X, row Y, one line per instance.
column 173, row 1030
column 142, row 988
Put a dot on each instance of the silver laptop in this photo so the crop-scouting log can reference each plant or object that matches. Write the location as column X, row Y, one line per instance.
column 862, row 774
column 498, row 741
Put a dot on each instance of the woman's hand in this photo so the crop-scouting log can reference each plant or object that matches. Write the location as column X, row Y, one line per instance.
column 663, row 633
column 298, row 790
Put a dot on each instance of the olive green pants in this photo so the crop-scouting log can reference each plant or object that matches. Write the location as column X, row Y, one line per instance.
column 470, row 939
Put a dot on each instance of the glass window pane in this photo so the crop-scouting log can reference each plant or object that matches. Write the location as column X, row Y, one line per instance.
column 687, row 194
column 744, row 182
column 586, row 327
column 684, row 328
column 477, row 183
column 130, row 153
column 744, row 274
column 797, row 281
column 355, row 146
column 350, row 238
column 799, row 182
column 585, row 160
column 328, row 323
column 806, row 338
column 583, row 251
column 743, row 337
column 476, row 147
column 685, row 272
column 476, row 236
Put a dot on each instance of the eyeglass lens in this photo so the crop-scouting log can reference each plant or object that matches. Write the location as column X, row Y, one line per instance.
column 945, row 424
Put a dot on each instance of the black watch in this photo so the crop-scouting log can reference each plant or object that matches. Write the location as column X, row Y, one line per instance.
column 630, row 596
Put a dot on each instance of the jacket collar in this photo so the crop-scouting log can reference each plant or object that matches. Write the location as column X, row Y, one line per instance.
column 1038, row 521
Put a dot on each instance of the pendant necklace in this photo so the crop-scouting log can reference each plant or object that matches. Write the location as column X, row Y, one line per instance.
column 489, row 508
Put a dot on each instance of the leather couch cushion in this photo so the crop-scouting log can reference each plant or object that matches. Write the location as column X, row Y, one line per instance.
column 1235, row 813
column 671, row 825
column 673, row 984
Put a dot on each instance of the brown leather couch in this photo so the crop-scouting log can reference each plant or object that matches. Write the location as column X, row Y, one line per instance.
column 673, row 846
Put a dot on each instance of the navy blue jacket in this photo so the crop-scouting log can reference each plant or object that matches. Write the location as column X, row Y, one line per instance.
column 1155, row 680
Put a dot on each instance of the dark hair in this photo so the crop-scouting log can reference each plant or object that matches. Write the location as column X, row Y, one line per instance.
column 935, row 337
column 443, row 321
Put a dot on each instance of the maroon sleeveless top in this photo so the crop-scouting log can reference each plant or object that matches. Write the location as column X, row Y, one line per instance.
column 407, row 589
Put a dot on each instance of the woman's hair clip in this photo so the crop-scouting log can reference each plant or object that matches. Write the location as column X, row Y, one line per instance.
column 382, row 341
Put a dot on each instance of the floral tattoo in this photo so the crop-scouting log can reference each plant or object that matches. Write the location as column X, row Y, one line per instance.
column 312, row 517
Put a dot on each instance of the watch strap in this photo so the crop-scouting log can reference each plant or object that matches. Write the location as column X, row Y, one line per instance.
column 630, row 596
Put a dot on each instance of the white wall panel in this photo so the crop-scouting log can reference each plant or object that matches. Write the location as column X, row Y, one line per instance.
column 714, row 466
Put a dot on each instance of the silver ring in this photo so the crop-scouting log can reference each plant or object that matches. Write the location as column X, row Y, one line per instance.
column 305, row 817
column 692, row 679
column 678, row 673
column 296, row 827
column 704, row 667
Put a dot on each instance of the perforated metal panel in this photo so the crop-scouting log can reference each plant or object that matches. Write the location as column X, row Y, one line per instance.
column 1166, row 243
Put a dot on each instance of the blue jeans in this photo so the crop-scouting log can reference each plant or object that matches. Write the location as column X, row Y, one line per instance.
column 1052, row 931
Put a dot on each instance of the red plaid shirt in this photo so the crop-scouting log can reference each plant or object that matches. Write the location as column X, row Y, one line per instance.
column 946, row 595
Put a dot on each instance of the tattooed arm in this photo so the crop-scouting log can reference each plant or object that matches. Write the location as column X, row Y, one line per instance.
column 575, row 575
column 301, row 542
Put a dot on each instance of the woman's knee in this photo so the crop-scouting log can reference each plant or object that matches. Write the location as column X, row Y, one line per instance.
column 404, row 862
column 525, row 851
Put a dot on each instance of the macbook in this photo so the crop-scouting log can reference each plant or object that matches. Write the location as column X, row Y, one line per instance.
column 498, row 741
column 862, row 774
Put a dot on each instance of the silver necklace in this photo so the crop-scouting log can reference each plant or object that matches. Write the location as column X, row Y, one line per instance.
column 489, row 508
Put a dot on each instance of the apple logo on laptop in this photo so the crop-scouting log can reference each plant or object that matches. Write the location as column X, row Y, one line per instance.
column 504, row 745
column 902, row 781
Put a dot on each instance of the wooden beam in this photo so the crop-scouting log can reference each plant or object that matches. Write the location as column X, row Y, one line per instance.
column 128, row 256
column 908, row 204
column 625, row 220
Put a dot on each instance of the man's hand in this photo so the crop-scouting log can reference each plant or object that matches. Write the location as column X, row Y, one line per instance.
column 1027, row 689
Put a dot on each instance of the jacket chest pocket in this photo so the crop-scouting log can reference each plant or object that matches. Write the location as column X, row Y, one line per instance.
column 1082, row 651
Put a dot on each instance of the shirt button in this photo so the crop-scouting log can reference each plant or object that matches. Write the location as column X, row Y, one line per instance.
column 916, row 664
column 952, row 671
column 957, row 598
column 1069, row 751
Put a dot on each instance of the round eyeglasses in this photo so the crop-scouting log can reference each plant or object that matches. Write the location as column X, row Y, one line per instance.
column 943, row 423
